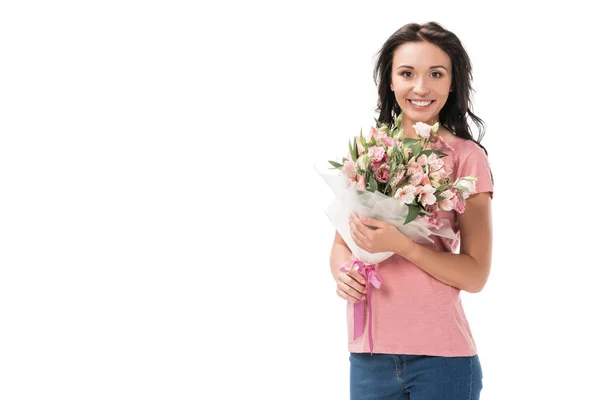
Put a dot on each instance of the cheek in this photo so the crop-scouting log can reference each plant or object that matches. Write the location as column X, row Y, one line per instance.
column 443, row 88
column 399, row 90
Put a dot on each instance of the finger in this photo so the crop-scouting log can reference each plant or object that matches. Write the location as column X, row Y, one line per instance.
column 356, row 276
column 355, row 281
column 350, row 291
column 357, row 240
column 355, row 229
column 349, row 297
column 368, row 221
column 360, row 227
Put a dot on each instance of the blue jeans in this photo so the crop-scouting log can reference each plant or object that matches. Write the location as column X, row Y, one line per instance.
column 414, row 377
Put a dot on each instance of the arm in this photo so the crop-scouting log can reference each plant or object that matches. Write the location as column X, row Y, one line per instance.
column 351, row 285
column 469, row 270
column 340, row 253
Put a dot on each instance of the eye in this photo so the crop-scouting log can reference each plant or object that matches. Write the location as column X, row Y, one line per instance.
column 436, row 74
column 406, row 74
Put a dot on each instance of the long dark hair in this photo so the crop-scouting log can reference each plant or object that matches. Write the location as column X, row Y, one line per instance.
column 457, row 109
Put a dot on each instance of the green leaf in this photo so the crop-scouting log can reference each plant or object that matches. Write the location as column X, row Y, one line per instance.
column 336, row 164
column 355, row 151
column 409, row 141
column 363, row 141
column 413, row 212
column 441, row 188
column 416, row 148
column 398, row 153
column 372, row 184
column 437, row 152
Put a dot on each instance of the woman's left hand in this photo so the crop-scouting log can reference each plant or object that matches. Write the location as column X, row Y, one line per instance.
column 385, row 237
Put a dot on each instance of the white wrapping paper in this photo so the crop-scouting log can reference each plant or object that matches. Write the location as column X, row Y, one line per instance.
column 376, row 205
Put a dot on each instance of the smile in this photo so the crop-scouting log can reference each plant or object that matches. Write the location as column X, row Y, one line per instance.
column 420, row 104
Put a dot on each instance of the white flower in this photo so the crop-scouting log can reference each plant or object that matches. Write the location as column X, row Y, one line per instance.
column 406, row 194
column 426, row 195
column 466, row 185
column 435, row 162
column 447, row 194
column 422, row 129
column 362, row 162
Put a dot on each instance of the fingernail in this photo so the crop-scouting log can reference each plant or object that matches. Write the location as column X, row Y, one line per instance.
column 363, row 298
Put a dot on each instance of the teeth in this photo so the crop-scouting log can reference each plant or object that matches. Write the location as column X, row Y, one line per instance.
column 421, row 103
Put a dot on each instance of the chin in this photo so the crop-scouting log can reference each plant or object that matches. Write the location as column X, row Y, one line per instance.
column 416, row 116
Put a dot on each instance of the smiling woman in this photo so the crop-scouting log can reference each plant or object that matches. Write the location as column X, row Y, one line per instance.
column 421, row 342
column 421, row 81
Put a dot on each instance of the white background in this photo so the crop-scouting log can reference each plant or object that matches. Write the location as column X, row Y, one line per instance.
column 162, row 229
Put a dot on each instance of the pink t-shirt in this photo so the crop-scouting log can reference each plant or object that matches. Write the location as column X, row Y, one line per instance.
column 414, row 313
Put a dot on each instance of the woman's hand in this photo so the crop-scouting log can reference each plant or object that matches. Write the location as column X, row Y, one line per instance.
column 351, row 286
column 377, row 236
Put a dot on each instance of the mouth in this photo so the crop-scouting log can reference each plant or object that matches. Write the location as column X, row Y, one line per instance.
column 421, row 104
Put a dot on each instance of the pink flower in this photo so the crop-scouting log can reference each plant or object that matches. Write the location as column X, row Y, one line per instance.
column 383, row 174
column 413, row 168
column 349, row 168
column 397, row 180
column 377, row 153
column 422, row 160
column 435, row 162
column 376, row 133
column 447, row 204
column 426, row 195
column 434, row 218
column 406, row 194
column 359, row 147
column 416, row 178
column 361, row 183
column 376, row 164
column 378, row 157
column 458, row 202
column 388, row 141
column 422, row 129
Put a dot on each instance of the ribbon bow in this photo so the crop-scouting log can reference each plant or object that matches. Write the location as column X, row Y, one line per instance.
column 372, row 278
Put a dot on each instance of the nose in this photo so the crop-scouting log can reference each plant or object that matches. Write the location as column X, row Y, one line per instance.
column 421, row 88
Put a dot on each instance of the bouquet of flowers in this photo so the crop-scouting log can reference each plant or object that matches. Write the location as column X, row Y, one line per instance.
column 398, row 180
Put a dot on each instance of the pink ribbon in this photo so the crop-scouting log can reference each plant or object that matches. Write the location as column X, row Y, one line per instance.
column 372, row 278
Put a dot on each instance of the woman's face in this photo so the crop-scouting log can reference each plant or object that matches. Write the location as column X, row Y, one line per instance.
column 421, row 81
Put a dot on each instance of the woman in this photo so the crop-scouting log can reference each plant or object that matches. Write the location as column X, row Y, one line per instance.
column 422, row 344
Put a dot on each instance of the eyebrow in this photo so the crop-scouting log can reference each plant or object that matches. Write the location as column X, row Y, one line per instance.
column 432, row 67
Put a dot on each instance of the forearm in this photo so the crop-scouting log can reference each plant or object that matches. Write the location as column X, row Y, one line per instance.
column 459, row 270
column 340, row 253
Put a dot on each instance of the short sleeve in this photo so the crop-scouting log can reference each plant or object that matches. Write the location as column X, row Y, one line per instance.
column 475, row 163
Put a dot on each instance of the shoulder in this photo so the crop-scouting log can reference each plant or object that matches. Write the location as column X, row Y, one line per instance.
column 465, row 149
